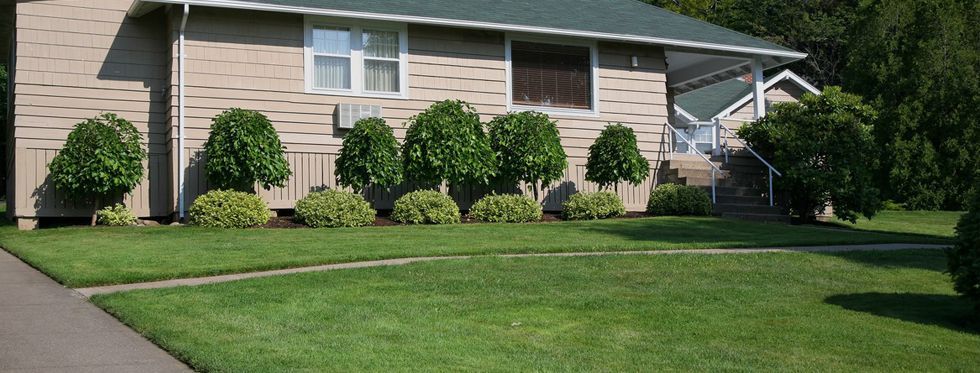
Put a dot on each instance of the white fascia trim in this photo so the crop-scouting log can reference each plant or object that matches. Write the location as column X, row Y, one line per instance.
column 485, row 25
column 684, row 114
column 785, row 75
column 508, row 70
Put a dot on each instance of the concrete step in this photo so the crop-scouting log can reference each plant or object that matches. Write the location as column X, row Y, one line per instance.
column 691, row 164
column 705, row 181
column 722, row 208
column 765, row 218
column 735, row 191
column 743, row 200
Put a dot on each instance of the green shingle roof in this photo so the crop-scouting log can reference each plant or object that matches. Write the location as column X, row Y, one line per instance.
column 619, row 18
column 705, row 103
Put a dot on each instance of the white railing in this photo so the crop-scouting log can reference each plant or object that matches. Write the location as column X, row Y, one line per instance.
column 676, row 134
column 729, row 132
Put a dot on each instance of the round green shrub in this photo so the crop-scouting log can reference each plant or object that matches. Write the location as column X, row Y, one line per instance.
column 426, row 207
column 446, row 143
column 369, row 155
column 615, row 157
column 964, row 258
column 229, row 209
column 243, row 148
column 507, row 208
column 117, row 216
column 528, row 148
column 678, row 200
column 591, row 206
column 334, row 208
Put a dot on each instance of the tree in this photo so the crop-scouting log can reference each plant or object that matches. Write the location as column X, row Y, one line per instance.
column 918, row 62
column 824, row 149
column 446, row 143
column 369, row 155
column 528, row 149
column 103, row 157
column 964, row 258
column 615, row 157
column 243, row 148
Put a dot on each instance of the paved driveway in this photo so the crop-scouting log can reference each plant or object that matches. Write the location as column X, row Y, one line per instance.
column 45, row 327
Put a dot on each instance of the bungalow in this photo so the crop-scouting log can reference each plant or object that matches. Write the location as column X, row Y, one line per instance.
column 312, row 66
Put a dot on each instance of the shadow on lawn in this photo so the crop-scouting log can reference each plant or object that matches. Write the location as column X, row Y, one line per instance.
column 947, row 311
column 927, row 259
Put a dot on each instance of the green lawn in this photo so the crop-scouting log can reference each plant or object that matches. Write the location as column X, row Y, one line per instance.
column 859, row 311
column 931, row 223
column 86, row 257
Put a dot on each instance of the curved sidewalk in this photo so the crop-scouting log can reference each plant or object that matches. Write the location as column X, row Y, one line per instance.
column 88, row 292
column 45, row 327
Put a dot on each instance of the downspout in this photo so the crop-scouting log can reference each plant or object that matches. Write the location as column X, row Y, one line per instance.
column 180, row 116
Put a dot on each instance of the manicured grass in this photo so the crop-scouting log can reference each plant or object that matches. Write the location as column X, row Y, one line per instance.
column 931, row 223
column 886, row 311
column 85, row 256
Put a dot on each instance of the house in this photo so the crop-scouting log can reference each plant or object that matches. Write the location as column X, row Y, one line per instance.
column 169, row 66
column 698, row 112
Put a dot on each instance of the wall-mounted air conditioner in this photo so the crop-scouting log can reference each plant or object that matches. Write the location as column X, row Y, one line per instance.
column 347, row 114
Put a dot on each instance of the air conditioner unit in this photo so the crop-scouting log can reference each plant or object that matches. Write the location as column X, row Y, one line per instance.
column 347, row 114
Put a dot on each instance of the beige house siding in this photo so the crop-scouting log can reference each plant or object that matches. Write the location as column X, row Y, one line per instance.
column 81, row 57
column 783, row 91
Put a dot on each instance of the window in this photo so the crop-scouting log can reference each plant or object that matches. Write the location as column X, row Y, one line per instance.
column 552, row 77
column 356, row 59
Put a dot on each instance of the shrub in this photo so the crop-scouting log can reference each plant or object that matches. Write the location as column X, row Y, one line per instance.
column 964, row 258
column 369, row 155
column 446, row 143
column 890, row 205
column 102, row 157
column 426, row 207
column 614, row 157
column 507, row 208
column 243, row 148
column 823, row 146
column 229, row 209
column 677, row 200
column 334, row 208
column 590, row 206
column 117, row 216
column 528, row 149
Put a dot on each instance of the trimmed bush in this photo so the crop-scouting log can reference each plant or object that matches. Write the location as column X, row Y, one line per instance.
column 243, row 148
column 528, row 148
column 229, row 209
column 678, row 200
column 334, row 208
column 446, row 143
column 117, row 216
column 591, row 206
column 426, row 207
column 964, row 258
column 615, row 157
column 507, row 208
column 369, row 155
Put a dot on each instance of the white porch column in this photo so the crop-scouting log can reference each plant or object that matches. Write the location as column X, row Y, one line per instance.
column 758, row 93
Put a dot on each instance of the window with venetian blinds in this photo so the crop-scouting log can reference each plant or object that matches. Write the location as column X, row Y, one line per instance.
column 551, row 75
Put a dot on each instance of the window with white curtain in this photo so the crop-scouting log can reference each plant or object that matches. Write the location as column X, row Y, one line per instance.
column 356, row 59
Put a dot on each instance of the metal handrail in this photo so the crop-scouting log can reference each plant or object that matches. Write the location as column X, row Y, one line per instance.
column 757, row 156
column 714, row 194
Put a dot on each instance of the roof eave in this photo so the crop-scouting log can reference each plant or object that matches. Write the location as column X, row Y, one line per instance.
column 234, row 4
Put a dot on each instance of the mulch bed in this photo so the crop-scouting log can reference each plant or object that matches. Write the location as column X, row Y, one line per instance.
column 383, row 220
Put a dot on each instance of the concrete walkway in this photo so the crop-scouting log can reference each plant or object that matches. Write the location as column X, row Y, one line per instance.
column 45, row 327
column 87, row 292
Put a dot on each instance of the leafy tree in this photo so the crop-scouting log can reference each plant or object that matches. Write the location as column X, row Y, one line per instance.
column 964, row 258
column 824, row 149
column 918, row 62
column 243, row 148
column 102, row 157
column 528, row 148
column 369, row 155
column 614, row 157
column 446, row 143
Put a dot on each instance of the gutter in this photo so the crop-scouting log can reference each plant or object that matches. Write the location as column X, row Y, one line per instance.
column 181, row 168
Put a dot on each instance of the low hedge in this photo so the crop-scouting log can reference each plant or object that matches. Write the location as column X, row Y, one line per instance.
column 678, row 200
column 506, row 208
column 116, row 216
column 333, row 209
column 229, row 209
column 426, row 207
column 591, row 206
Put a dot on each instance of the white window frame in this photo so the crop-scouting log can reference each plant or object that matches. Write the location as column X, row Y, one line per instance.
column 594, row 54
column 357, row 58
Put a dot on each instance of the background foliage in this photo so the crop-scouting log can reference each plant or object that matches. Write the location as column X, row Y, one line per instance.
column 446, row 143
column 964, row 258
column 369, row 155
column 528, row 149
column 614, row 157
column 243, row 148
